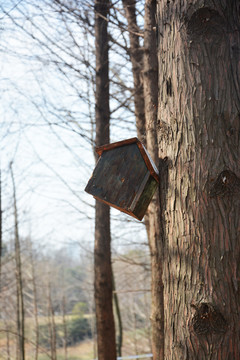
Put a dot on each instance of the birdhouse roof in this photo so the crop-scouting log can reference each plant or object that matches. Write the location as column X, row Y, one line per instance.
column 146, row 157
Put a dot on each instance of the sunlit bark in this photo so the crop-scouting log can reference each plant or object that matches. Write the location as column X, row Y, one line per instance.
column 198, row 132
column 150, row 82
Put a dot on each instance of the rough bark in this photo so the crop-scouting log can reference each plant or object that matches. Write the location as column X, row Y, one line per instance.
column 20, row 302
column 136, row 56
column 102, row 251
column 198, row 131
column 150, row 81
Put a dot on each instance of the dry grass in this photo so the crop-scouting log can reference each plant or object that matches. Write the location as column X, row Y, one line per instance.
column 82, row 351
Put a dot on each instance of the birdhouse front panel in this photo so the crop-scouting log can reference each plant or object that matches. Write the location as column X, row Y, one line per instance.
column 122, row 178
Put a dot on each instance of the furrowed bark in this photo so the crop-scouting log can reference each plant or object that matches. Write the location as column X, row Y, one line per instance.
column 198, row 131
column 150, row 81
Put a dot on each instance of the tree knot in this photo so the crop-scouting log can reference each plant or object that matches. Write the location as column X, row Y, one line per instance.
column 227, row 183
column 208, row 320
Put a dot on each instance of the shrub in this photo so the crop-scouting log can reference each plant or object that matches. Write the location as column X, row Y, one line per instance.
column 78, row 329
column 44, row 336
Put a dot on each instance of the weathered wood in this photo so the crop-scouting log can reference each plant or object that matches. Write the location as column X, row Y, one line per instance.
column 124, row 177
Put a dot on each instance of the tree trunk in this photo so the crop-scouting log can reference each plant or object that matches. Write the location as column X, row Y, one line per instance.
column 198, row 131
column 102, row 251
column 8, row 353
column 145, row 75
column 51, row 324
column 20, row 303
column 0, row 230
column 136, row 56
column 64, row 321
column 150, row 81
column 35, row 305
column 119, row 320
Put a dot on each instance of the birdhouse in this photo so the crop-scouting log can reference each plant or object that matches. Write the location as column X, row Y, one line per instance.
column 125, row 177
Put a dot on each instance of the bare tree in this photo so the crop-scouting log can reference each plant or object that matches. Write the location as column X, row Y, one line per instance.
column 19, row 280
column 65, row 333
column 136, row 56
column 34, row 291
column 102, row 249
column 51, row 325
column 0, row 227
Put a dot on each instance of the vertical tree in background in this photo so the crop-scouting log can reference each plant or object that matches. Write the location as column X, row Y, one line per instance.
column 150, row 87
column 34, row 295
column 136, row 57
column 51, row 323
column 198, row 132
column 0, row 228
column 145, row 75
column 20, row 303
column 102, row 250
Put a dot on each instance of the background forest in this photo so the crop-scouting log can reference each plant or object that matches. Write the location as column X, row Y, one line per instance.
column 58, row 302
column 47, row 155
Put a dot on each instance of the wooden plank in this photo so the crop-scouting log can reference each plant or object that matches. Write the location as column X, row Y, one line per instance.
column 146, row 197
column 149, row 162
column 117, row 144
column 147, row 158
column 118, row 175
column 140, row 191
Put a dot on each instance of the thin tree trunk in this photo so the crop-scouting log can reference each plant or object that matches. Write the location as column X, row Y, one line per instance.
column 34, row 289
column 150, row 81
column 92, row 323
column 198, row 131
column 20, row 301
column 7, row 339
column 50, row 329
column 0, row 229
column 51, row 325
column 102, row 250
column 119, row 318
column 136, row 56
column 65, row 334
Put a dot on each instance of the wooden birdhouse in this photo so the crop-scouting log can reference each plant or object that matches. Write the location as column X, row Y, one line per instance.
column 125, row 177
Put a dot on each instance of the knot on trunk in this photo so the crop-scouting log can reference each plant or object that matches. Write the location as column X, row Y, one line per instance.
column 208, row 320
column 206, row 25
column 227, row 183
